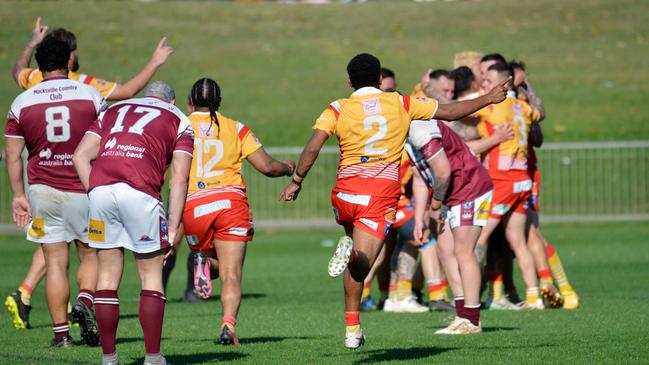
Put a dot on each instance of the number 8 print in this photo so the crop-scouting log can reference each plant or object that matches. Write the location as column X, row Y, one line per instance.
column 57, row 117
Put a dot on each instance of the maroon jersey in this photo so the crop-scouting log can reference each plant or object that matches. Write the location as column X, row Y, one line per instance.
column 138, row 140
column 52, row 117
column 469, row 180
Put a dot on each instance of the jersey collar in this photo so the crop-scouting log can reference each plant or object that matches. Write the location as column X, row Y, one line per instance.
column 367, row 90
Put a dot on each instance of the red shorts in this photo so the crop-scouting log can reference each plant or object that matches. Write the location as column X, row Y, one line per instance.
column 405, row 212
column 224, row 216
column 536, row 190
column 510, row 197
column 372, row 214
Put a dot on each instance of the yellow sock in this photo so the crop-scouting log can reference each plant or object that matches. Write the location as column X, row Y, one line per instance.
column 557, row 269
column 436, row 290
column 404, row 288
column 496, row 288
column 366, row 290
column 356, row 329
column 532, row 295
column 392, row 290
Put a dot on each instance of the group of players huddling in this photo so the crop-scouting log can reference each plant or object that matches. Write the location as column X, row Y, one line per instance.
column 407, row 177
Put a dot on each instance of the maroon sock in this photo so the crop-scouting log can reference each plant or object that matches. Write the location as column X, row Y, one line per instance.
column 87, row 297
column 107, row 311
column 472, row 313
column 60, row 330
column 459, row 306
column 152, row 311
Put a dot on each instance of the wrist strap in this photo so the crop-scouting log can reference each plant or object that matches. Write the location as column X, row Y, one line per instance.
column 297, row 178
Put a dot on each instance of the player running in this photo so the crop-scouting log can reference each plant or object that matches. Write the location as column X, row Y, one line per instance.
column 217, row 218
column 371, row 127
column 27, row 77
column 50, row 119
column 132, row 146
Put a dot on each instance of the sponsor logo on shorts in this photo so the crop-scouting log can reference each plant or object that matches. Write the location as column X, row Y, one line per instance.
column 163, row 225
column 520, row 186
column 192, row 240
column 212, row 207
column 110, row 143
column 390, row 215
column 37, row 228
column 145, row 238
column 365, row 159
column 483, row 210
column 97, row 230
column 500, row 209
column 336, row 214
column 354, row 198
column 467, row 215
column 238, row 231
column 467, row 205
column 370, row 223
column 201, row 185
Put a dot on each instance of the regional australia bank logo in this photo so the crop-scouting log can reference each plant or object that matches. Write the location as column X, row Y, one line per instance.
column 45, row 154
column 110, row 143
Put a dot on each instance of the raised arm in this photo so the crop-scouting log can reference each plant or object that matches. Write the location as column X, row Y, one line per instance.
column 181, row 164
column 20, row 205
column 25, row 57
column 139, row 81
column 307, row 159
column 85, row 153
column 535, row 100
column 269, row 166
column 461, row 109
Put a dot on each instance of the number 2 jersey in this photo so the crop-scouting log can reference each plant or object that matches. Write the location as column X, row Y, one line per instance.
column 372, row 127
column 219, row 153
column 52, row 118
column 138, row 140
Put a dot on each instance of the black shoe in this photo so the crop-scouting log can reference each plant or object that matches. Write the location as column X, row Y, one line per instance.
column 65, row 342
column 19, row 311
column 192, row 298
column 87, row 323
column 228, row 337
column 440, row 306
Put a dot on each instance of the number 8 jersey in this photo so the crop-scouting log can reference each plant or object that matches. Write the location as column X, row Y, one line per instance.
column 52, row 117
column 372, row 127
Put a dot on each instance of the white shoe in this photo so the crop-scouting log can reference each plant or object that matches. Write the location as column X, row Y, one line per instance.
column 409, row 305
column 388, row 305
column 503, row 304
column 467, row 328
column 340, row 259
column 354, row 340
column 524, row 305
column 155, row 360
column 451, row 328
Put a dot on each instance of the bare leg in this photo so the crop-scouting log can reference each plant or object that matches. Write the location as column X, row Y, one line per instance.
column 88, row 266
column 446, row 246
column 465, row 238
column 36, row 270
column 536, row 242
column 231, row 256
column 366, row 249
column 57, row 288
column 515, row 232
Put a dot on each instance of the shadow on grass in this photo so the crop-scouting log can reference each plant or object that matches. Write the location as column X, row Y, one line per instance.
column 255, row 340
column 198, row 358
column 120, row 340
column 218, row 297
column 401, row 354
column 498, row 329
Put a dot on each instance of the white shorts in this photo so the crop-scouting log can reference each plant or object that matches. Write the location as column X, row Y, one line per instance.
column 471, row 213
column 121, row 216
column 57, row 216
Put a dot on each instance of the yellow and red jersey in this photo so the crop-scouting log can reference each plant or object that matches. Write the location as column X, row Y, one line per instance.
column 372, row 127
column 508, row 160
column 29, row 77
column 418, row 91
column 218, row 154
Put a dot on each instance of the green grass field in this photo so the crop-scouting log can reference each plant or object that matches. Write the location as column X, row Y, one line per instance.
column 292, row 311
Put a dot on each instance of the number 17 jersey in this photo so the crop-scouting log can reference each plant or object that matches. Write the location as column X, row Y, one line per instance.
column 138, row 140
column 52, row 117
column 372, row 127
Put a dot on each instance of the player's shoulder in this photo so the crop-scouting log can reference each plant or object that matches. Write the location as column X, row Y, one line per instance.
column 422, row 131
